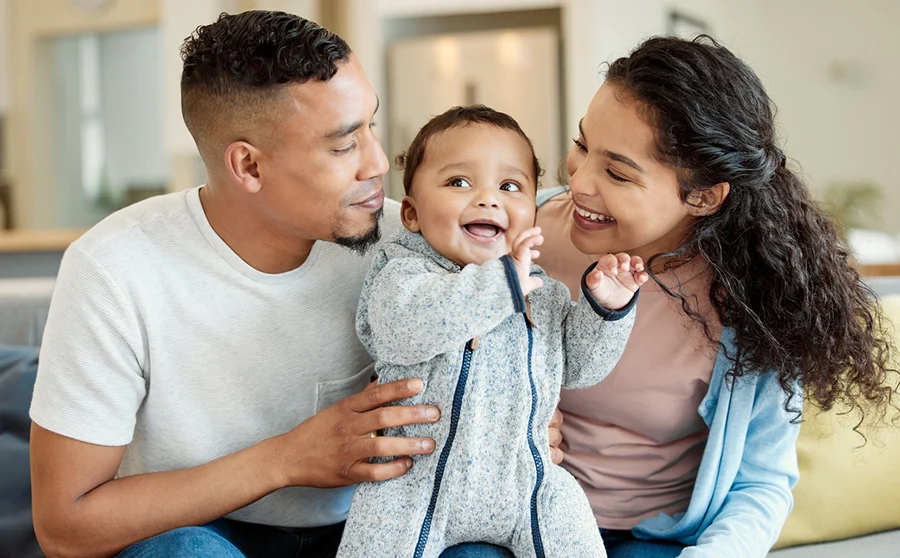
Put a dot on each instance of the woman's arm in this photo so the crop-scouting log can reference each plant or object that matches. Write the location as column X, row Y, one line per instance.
column 759, row 501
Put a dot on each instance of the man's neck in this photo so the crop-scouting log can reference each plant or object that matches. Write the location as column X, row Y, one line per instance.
column 260, row 246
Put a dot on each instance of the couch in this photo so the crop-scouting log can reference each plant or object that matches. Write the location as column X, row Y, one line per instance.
column 23, row 312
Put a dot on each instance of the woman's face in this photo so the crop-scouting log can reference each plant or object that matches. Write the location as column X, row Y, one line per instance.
column 625, row 201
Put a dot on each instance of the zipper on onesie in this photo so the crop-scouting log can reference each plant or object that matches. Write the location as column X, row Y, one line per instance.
column 538, row 462
column 445, row 452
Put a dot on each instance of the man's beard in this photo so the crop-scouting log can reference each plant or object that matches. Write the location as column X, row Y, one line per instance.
column 361, row 243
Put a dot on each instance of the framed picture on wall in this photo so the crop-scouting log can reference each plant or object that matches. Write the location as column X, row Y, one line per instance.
column 686, row 26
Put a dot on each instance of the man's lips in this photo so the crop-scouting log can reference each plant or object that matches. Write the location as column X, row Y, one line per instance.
column 373, row 202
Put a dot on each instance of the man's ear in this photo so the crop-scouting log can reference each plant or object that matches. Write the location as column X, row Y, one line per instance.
column 408, row 214
column 708, row 201
column 241, row 160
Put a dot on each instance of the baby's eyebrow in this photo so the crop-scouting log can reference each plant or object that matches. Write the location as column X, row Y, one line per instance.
column 462, row 166
column 515, row 170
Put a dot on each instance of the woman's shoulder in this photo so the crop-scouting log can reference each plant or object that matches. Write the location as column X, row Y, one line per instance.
column 552, row 193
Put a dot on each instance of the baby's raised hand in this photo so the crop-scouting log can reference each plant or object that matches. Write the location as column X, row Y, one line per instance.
column 615, row 279
column 523, row 252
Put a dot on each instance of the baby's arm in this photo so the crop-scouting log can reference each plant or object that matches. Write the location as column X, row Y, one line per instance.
column 415, row 314
column 596, row 329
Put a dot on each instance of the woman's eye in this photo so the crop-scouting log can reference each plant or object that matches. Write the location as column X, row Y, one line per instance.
column 581, row 146
column 510, row 187
column 459, row 183
column 616, row 177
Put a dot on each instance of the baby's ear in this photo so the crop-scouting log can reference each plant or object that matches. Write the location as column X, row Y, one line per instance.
column 408, row 214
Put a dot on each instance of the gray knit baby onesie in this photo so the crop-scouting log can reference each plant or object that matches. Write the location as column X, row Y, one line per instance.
column 496, row 376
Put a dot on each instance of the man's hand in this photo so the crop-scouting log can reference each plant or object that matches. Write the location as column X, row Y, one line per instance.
column 615, row 279
column 556, row 453
column 333, row 447
column 523, row 252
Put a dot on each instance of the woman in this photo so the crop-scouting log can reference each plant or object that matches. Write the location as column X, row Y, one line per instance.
column 690, row 442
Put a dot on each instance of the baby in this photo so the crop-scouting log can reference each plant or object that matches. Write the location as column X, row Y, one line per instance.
column 454, row 300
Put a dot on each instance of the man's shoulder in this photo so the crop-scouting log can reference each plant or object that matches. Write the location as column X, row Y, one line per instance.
column 390, row 222
column 134, row 225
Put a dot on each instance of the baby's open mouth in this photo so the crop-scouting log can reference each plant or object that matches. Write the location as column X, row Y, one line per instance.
column 484, row 230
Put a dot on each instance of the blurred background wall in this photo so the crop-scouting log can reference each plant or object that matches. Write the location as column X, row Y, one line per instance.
column 90, row 107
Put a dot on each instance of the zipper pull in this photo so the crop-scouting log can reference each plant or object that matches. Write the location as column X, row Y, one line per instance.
column 473, row 343
column 528, row 312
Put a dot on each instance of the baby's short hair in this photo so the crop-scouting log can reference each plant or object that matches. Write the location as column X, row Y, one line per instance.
column 410, row 160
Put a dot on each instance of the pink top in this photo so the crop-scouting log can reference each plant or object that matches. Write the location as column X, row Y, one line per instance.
column 634, row 441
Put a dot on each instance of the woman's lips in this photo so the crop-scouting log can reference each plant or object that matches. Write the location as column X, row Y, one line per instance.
column 589, row 224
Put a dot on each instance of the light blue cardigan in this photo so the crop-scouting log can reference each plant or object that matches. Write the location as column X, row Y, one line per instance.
column 742, row 495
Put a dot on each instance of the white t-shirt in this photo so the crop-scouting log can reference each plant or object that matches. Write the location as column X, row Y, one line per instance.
column 162, row 339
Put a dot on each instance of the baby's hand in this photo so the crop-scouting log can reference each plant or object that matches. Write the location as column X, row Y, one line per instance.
column 615, row 279
column 522, row 253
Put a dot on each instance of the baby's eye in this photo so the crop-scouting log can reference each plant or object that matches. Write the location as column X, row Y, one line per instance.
column 459, row 183
column 510, row 187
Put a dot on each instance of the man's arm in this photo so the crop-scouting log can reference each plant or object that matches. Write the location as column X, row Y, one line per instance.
column 81, row 509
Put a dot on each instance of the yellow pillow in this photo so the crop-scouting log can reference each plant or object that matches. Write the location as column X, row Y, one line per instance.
column 845, row 491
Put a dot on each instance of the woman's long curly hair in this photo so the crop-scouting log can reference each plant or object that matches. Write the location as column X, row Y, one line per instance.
column 781, row 278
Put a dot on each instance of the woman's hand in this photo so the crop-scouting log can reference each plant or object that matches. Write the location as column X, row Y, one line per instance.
column 615, row 279
column 556, row 454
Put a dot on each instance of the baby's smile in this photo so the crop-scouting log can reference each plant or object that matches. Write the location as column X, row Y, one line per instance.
column 484, row 231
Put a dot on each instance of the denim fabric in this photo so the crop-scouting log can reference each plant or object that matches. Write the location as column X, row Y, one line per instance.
column 623, row 544
column 234, row 539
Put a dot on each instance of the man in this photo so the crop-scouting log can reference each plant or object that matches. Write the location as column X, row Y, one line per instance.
column 200, row 359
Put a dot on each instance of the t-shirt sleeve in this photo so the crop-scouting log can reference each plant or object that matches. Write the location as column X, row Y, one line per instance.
column 90, row 381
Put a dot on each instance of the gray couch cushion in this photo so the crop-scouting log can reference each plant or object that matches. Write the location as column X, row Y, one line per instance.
column 24, row 304
column 881, row 545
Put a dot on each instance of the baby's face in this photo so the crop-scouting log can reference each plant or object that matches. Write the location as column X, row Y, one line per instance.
column 473, row 193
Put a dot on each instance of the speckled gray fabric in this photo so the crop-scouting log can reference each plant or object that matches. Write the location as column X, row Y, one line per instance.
column 491, row 467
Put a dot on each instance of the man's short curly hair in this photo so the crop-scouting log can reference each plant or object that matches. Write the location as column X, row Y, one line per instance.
column 235, row 67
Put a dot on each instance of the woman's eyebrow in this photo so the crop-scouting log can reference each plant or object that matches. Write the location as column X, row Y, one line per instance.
column 612, row 154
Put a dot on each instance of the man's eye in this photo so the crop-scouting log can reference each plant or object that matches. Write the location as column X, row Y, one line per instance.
column 346, row 150
column 459, row 183
column 510, row 187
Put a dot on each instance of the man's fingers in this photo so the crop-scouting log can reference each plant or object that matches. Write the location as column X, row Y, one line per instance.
column 362, row 471
column 390, row 417
column 555, row 437
column 556, row 455
column 557, row 419
column 386, row 393
column 389, row 446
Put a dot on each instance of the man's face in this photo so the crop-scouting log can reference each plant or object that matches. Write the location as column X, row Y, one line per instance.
column 321, row 171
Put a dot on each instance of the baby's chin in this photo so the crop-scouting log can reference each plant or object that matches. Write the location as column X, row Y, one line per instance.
column 483, row 256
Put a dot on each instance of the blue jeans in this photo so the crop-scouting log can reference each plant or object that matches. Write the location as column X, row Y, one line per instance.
column 623, row 544
column 225, row 538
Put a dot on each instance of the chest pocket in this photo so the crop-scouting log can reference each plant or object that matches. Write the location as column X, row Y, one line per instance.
column 329, row 393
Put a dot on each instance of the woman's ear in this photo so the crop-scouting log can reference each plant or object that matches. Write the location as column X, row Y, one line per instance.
column 708, row 201
column 241, row 162
column 408, row 214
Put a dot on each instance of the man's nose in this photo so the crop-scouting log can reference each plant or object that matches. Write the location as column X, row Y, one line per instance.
column 374, row 162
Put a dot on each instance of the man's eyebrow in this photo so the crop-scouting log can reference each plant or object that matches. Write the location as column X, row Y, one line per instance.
column 613, row 155
column 348, row 129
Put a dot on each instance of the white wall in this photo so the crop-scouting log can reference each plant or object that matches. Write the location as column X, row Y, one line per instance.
column 835, row 77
